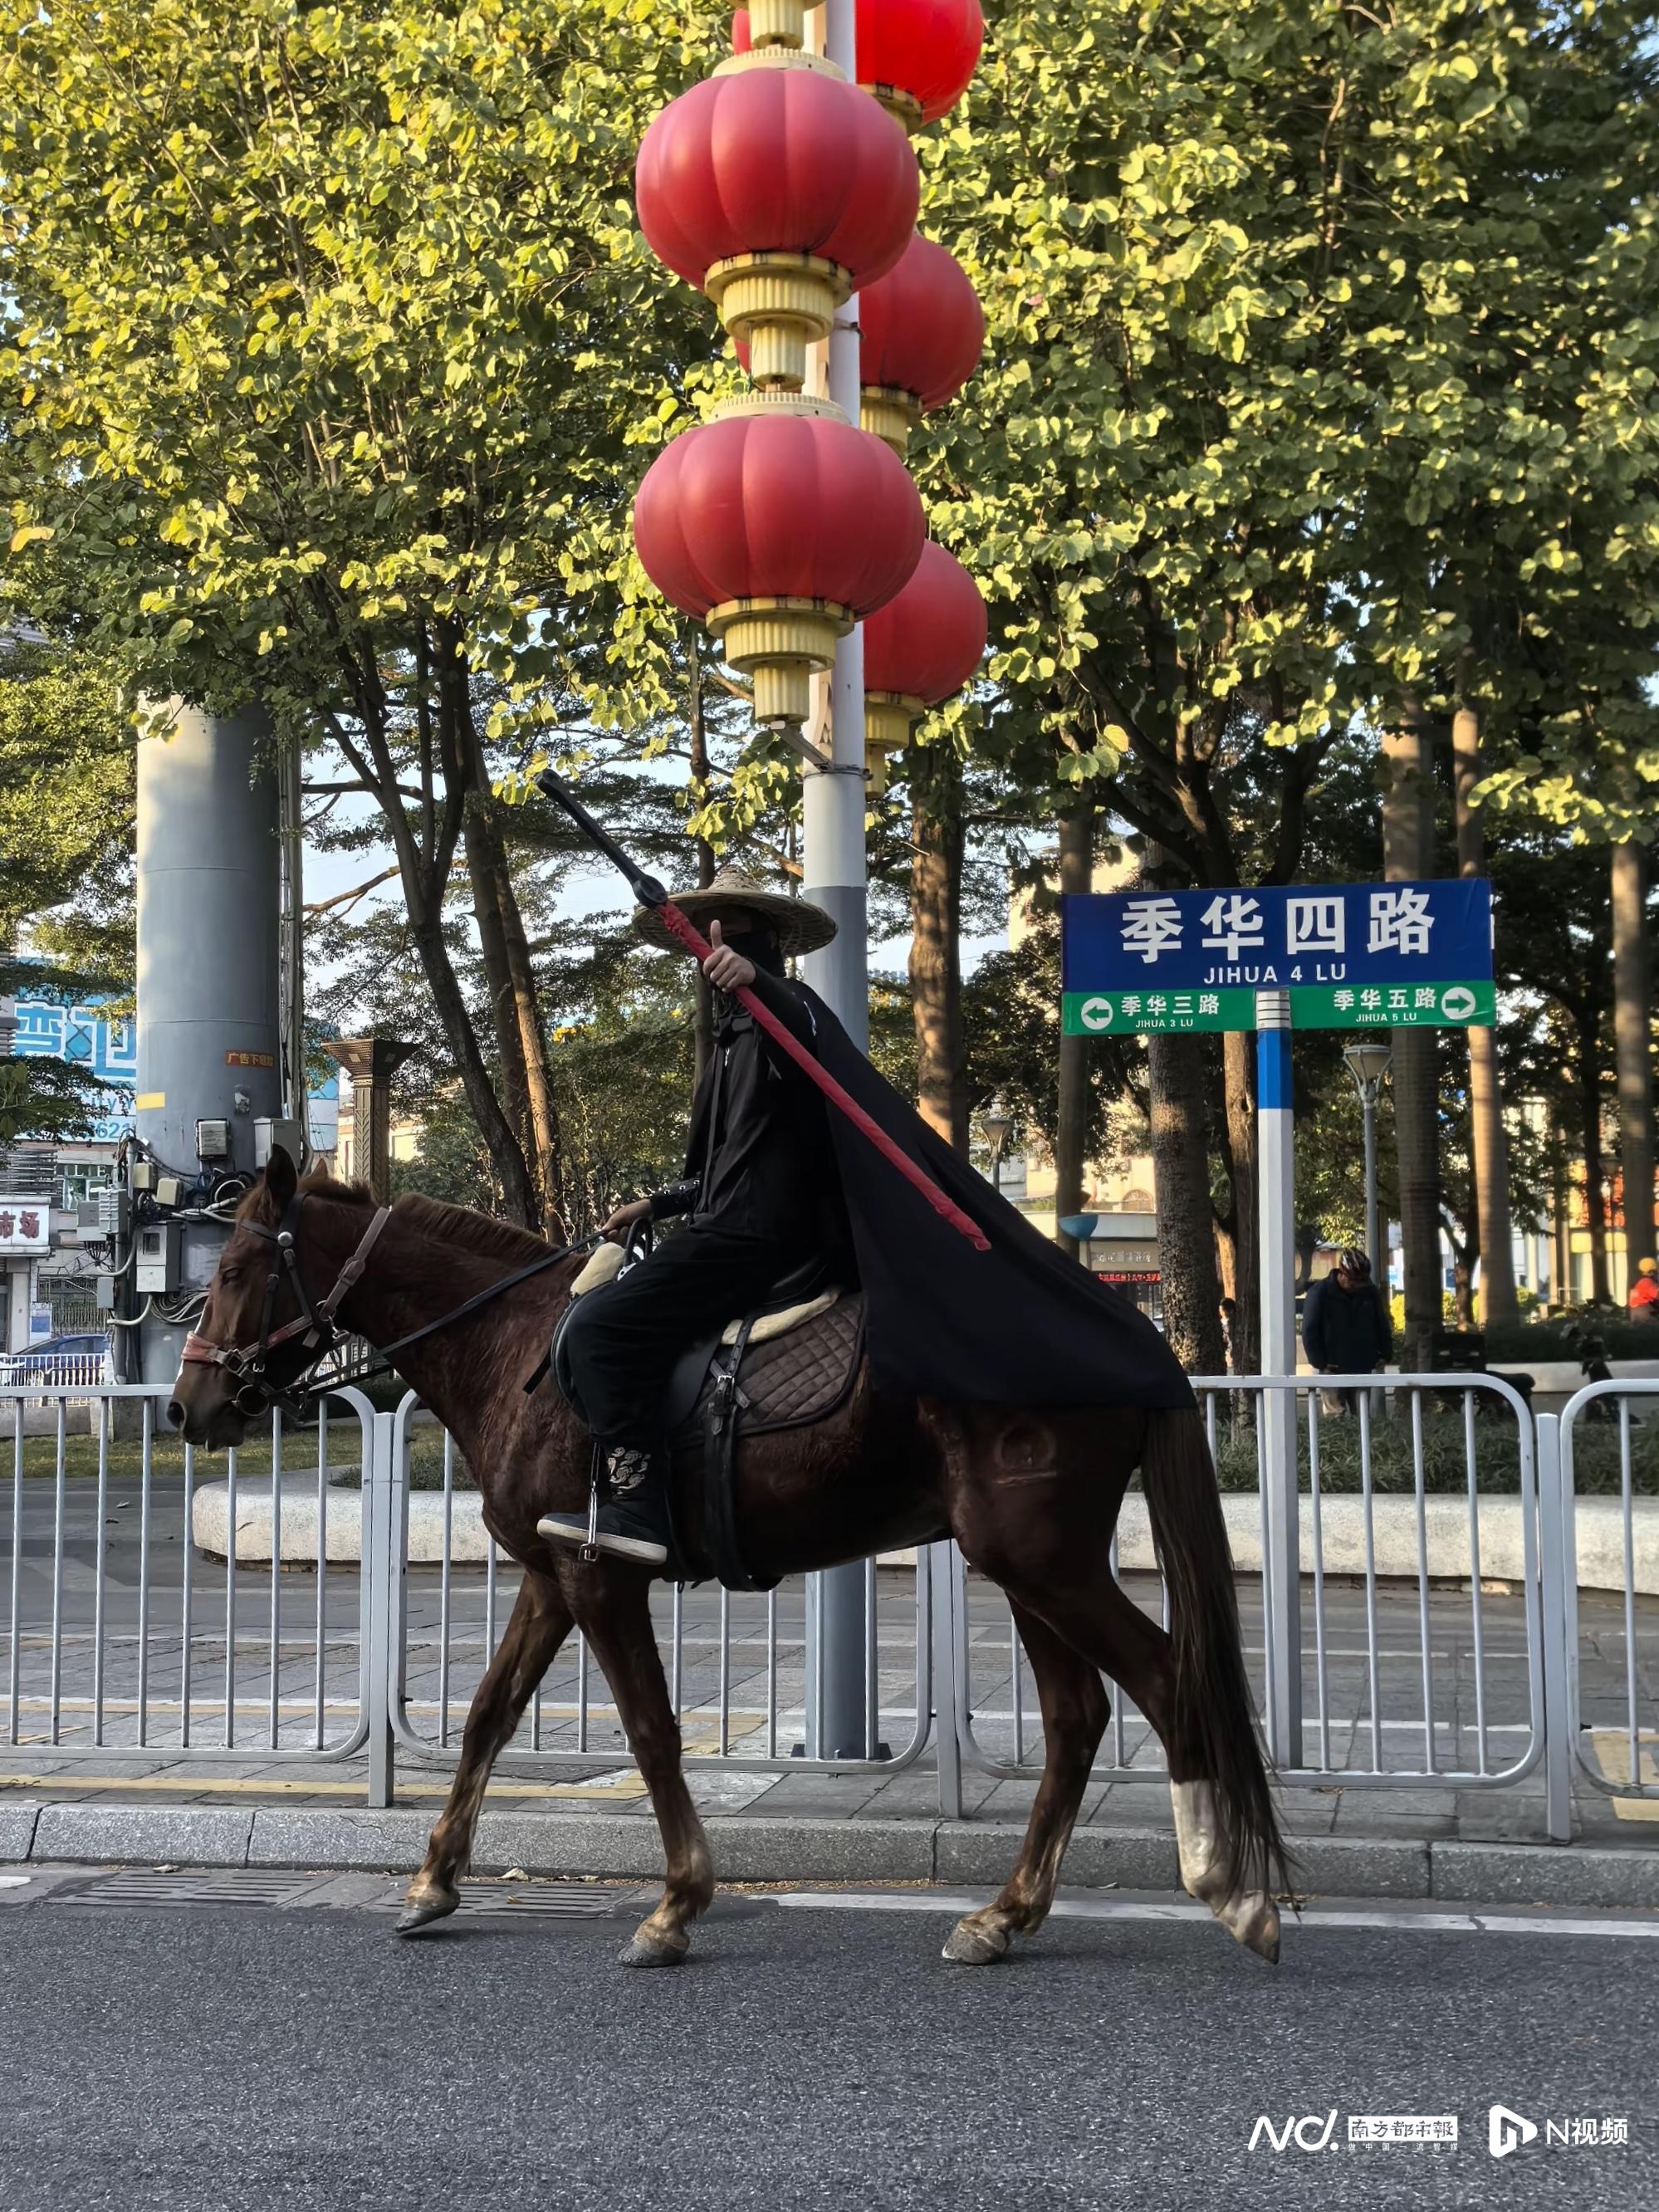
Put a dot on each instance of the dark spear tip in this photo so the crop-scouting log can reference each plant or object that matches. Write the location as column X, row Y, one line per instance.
column 646, row 889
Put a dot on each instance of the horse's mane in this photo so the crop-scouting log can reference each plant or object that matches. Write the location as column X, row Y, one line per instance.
column 480, row 1233
column 477, row 1233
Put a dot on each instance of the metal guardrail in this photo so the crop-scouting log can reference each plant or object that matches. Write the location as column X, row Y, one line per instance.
column 1382, row 1704
column 1380, row 1683
column 176, row 1652
column 1619, row 1755
column 741, row 1666
column 47, row 1372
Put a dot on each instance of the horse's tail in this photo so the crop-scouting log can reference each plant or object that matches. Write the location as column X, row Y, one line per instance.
column 1214, row 1713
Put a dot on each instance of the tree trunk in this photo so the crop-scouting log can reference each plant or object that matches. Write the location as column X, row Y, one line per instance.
column 1181, row 1174
column 1489, row 1151
column 532, row 1041
column 1244, row 1225
column 1561, row 1285
column 506, row 1156
column 477, row 842
column 1595, row 1173
column 1632, row 990
column 935, row 943
column 1408, row 855
column 703, row 994
column 1077, row 860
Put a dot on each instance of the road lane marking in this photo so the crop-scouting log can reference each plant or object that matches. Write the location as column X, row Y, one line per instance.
column 1425, row 1923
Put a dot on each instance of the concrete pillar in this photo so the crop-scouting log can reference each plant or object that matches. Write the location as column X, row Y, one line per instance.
column 371, row 1063
column 208, row 1033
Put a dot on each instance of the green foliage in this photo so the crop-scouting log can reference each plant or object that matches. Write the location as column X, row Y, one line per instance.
column 66, row 813
column 324, row 316
column 1595, row 1461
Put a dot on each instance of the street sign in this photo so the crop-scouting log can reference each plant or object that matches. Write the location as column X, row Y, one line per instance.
column 1350, row 955
column 1100, row 1013
column 1398, row 1006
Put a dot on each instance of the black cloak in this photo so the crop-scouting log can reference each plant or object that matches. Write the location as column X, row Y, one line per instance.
column 1019, row 1325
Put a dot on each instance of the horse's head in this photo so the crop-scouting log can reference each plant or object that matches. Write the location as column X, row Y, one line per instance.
column 252, row 1295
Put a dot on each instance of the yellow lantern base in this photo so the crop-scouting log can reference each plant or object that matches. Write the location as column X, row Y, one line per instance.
column 777, row 23
column 778, row 304
column 778, row 643
column 888, row 720
column 890, row 413
column 903, row 106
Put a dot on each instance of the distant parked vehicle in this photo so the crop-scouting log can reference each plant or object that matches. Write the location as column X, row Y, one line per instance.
column 61, row 1362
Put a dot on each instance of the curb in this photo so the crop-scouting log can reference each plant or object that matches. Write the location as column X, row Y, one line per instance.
column 748, row 1849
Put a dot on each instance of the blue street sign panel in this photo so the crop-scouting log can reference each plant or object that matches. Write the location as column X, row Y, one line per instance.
column 1329, row 935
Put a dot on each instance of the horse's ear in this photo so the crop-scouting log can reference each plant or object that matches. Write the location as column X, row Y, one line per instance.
column 281, row 1179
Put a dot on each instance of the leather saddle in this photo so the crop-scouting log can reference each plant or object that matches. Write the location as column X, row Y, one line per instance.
column 790, row 1361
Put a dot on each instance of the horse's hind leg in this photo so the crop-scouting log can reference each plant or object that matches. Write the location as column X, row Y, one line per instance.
column 612, row 1604
column 1109, row 1627
column 538, row 1623
column 1075, row 1711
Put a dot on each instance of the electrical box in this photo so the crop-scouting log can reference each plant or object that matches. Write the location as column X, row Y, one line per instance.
column 114, row 1212
column 270, row 1136
column 107, row 1293
column 169, row 1190
column 144, row 1175
column 155, row 1270
column 213, row 1140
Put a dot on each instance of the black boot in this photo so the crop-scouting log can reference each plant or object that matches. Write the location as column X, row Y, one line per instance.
column 633, row 1521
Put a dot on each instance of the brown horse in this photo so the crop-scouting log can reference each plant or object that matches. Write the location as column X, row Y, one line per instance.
column 1030, row 1495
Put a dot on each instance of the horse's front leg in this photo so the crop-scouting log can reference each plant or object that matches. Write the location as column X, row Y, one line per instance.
column 1075, row 1712
column 539, row 1623
column 611, row 1602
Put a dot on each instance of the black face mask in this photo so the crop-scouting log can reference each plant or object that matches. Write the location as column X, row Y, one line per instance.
column 758, row 946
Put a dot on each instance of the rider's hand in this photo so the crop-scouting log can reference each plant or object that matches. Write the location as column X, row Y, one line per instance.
column 625, row 1218
column 726, row 970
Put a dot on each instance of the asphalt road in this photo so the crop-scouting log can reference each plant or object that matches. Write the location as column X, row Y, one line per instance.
column 198, row 2059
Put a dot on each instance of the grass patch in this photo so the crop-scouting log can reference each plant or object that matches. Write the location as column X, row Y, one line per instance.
column 1498, row 1457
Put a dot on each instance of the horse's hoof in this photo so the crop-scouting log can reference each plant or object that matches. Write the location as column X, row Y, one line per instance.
column 420, row 1912
column 974, row 1944
column 639, row 1953
column 1254, row 1922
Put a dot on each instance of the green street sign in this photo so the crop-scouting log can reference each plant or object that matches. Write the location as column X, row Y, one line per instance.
column 1394, row 1007
column 1138, row 1013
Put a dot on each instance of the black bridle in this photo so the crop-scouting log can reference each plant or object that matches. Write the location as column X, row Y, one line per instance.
column 315, row 1322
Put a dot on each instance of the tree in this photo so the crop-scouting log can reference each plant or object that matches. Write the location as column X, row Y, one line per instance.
column 332, row 350
column 1316, row 357
column 66, row 889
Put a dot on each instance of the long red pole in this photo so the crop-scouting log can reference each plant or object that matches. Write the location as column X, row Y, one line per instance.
column 695, row 943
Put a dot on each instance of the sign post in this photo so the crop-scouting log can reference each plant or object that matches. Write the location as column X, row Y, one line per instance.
column 1275, row 959
column 1281, row 1563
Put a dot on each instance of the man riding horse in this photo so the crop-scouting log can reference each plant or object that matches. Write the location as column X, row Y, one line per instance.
column 772, row 1177
column 759, row 1193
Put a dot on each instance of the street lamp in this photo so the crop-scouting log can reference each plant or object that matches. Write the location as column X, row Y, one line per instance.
column 997, row 1123
column 1368, row 1063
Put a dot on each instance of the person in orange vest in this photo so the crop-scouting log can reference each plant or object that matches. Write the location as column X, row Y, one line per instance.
column 1645, row 1292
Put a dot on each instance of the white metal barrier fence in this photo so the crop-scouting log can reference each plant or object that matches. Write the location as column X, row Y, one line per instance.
column 1612, row 1673
column 124, row 1632
column 1427, row 1525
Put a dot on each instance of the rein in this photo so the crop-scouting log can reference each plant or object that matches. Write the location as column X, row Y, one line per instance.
column 315, row 1322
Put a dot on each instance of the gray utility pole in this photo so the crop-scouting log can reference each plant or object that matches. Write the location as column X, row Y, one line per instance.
column 840, row 1706
column 1367, row 1062
column 209, row 1038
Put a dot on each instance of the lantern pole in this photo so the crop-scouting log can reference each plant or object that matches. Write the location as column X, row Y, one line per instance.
column 839, row 1721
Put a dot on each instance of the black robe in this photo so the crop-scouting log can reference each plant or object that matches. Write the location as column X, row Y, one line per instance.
column 1021, row 1324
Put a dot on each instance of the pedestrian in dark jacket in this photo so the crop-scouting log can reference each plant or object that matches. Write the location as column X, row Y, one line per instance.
column 1346, row 1329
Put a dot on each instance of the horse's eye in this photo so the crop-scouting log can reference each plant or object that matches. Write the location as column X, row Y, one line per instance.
column 230, row 1277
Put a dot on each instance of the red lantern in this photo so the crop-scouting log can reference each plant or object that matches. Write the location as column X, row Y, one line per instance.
column 922, row 645
column 779, row 525
column 916, row 56
column 923, row 331
column 779, row 189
